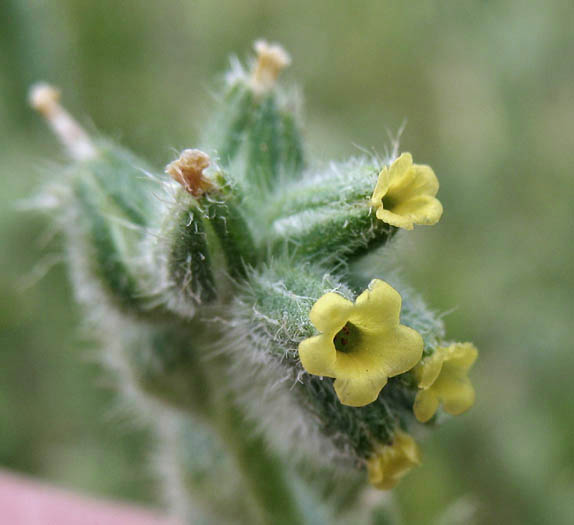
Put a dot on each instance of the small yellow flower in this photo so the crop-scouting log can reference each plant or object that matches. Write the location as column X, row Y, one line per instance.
column 405, row 194
column 442, row 378
column 391, row 462
column 361, row 344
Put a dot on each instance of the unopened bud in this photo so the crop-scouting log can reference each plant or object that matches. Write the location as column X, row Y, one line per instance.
column 271, row 60
column 45, row 99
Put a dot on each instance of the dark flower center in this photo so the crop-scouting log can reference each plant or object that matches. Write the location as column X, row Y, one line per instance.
column 347, row 338
column 389, row 202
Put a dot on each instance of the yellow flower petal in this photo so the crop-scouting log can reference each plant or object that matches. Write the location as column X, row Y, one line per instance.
column 359, row 390
column 426, row 182
column 409, row 447
column 381, row 187
column 417, row 181
column 426, row 404
column 394, row 219
column 391, row 462
column 377, row 307
column 330, row 312
column 429, row 369
column 401, row 165
column 390, row 174
column 463, row 355
column 455, row 391
column 318, row 355
column 403, row 350
column 420, row 210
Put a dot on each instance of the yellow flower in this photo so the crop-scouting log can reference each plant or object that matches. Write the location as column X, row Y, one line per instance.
column 391, row 462
column 442, row 378
column 362, row 344
column 405, row 194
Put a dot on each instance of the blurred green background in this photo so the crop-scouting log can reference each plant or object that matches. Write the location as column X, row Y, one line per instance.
column 487, row 89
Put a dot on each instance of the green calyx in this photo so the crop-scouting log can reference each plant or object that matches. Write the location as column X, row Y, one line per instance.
column 277, row 316
column 112, row 207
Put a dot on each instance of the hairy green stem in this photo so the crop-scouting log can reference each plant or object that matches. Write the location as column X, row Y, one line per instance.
column 264, row 474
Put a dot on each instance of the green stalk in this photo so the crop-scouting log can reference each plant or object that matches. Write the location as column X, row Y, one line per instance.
column 264, row 474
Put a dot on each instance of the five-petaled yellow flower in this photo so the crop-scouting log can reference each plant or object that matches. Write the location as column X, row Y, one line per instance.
column 442, row 378
column 391, row 462
column 405, row 194
column 361, row 344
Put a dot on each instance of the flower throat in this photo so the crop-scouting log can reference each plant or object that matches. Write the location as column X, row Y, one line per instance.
column 347, row 338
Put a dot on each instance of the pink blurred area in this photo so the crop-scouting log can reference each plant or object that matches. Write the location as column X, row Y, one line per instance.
column 27, row 502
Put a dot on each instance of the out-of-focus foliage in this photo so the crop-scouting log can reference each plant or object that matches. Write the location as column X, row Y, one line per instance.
column 487, row 89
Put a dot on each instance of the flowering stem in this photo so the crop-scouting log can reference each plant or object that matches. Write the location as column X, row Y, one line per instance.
column 227, row 300
column 266, row 480
column 263, row 473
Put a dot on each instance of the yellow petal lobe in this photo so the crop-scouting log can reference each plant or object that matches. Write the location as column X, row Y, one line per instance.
column 360, row 390
column 318, row 355
column 426, row 405
column 330, row 312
